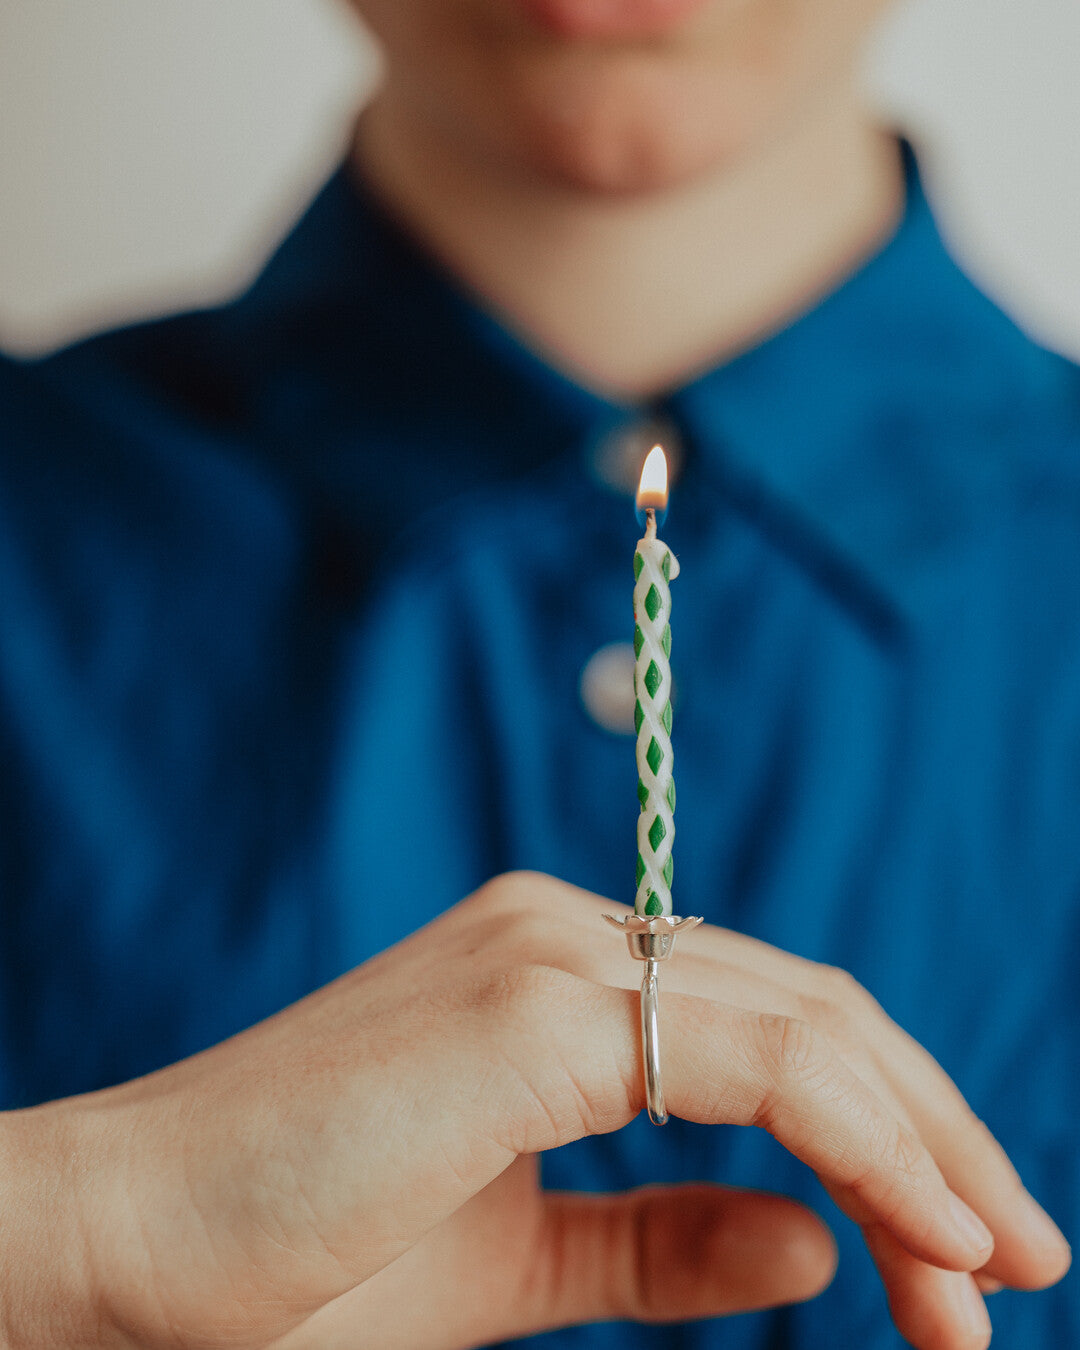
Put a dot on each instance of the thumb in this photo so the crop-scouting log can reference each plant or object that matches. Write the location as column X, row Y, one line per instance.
column 673, row 1254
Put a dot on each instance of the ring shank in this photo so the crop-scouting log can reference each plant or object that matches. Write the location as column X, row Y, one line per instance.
column 650, row 1044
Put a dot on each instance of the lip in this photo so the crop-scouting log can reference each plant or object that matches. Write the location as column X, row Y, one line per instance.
column 614, row 19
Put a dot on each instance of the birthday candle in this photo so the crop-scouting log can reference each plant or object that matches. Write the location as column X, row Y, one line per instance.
column 654, row 567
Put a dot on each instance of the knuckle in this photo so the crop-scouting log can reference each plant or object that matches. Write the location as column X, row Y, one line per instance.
column 514, row 911
column 840, row 982
column 530, row 990
column 828, row 1016
column 839, row 1006
column 790, row 1047
column 904, row 1156
column 522, row 889
column 842, row 989
column 501, row 894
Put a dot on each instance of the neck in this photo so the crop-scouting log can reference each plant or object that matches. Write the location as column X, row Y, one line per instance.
column 632, row 296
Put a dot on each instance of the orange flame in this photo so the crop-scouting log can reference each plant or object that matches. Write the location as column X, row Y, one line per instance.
column 652, row 491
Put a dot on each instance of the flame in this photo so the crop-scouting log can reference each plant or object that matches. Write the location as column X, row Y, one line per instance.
column 653, row 489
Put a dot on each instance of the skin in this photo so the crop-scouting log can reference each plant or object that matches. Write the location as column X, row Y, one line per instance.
column 627, row 114
column 636, row 207
column 360, row 1170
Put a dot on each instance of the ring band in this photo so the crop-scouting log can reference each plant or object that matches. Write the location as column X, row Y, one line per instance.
column 651, row 941
column 650, row 1045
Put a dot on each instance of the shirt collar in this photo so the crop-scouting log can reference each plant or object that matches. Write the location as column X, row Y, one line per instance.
column 868, row 435
column 874, row 431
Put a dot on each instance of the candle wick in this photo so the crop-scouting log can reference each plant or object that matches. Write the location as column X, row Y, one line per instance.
column 650, row 523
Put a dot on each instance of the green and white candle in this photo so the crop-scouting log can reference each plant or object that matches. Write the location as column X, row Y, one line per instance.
column 655, row 566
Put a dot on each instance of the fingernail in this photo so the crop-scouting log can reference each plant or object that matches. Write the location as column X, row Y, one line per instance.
column 1040, row 1229
column 988, row 1285
column 973, row 1310
column 970, row 1227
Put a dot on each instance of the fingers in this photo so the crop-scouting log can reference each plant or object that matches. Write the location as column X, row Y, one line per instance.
column 672, row 1254
column 576, row 1048
column 924, row 1128
column 1030, row 1251
column 725, row 1064
column 933, row 1309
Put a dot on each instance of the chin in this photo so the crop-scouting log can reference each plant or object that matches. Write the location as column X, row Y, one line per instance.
column 633, row 130
column 622, row 159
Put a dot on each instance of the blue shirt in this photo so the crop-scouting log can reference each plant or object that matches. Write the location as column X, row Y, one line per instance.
column 295, row 596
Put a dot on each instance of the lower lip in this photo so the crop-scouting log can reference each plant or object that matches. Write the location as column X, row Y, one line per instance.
column 610, row 18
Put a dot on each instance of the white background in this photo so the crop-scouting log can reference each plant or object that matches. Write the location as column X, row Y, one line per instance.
column 150, row 154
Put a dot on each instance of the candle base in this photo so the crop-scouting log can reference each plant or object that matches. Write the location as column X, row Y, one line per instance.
column 651, row 940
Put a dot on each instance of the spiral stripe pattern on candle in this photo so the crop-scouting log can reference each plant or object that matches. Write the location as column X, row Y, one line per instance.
column 654, row 566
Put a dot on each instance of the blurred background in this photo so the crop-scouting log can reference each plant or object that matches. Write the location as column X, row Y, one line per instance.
column 150, row 155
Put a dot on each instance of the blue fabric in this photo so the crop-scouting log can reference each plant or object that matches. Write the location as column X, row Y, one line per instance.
column 294, row 599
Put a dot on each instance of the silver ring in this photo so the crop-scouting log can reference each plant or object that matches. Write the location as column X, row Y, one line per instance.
column 650, row 1045
column 651, row 941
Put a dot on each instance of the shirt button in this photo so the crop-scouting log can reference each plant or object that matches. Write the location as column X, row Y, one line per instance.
column 617, row 457
column 607, row 687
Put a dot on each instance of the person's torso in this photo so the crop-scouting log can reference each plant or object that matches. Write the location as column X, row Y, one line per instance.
column 295, row 602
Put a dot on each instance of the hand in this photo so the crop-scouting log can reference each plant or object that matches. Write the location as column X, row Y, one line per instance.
column 357, row 1171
